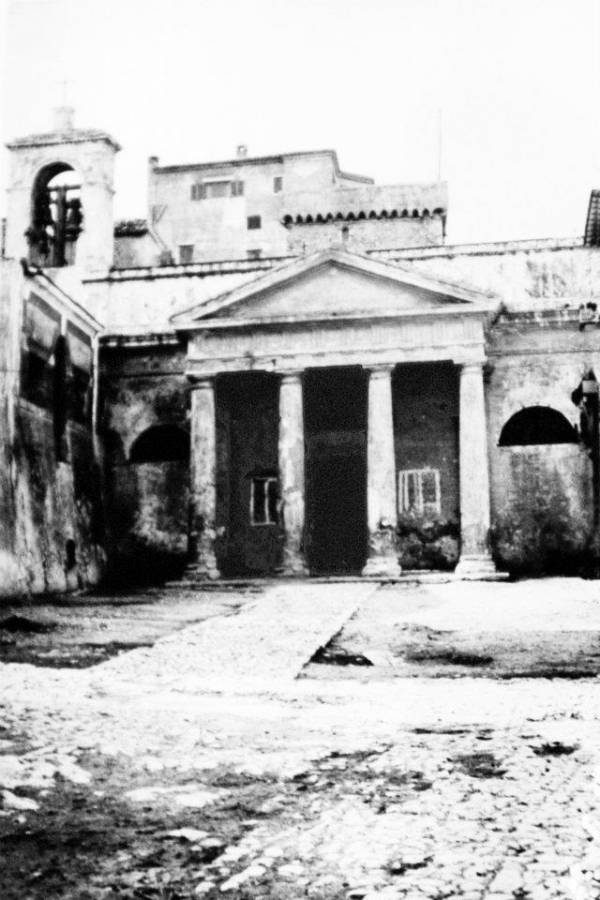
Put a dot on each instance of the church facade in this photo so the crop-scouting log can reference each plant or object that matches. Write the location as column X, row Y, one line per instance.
column 282, row 370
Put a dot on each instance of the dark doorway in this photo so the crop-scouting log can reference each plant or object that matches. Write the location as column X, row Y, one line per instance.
column 335, row 402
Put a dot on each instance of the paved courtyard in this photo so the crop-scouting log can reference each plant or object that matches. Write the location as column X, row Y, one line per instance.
column 220, row 762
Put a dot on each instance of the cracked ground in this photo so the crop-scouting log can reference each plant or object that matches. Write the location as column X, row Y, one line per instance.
column 443, row 742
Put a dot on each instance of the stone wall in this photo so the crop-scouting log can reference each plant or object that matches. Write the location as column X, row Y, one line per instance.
column 147, row 501
column 541, row 493
column 51, row 531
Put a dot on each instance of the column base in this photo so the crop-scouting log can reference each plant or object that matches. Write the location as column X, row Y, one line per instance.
column 293, row 567
column 296, row 572
column 478, row 567
column 201, row 572
column 382, row 567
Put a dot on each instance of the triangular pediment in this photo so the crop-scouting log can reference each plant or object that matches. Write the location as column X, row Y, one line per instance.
column 332, row 284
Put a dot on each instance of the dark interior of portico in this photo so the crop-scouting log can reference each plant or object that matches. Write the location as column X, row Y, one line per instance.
column 249, row 540
column 426, row 420
column 335, row 419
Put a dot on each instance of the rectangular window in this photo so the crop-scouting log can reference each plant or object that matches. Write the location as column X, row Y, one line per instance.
column 264, row 495
column 214, row 189
column 210, row 190
column 419, row 491
column 253, row 222
column 186, row 253
column 277, row 184
column 254, row 254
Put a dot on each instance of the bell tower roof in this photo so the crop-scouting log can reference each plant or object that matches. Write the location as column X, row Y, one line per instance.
column 64, row 132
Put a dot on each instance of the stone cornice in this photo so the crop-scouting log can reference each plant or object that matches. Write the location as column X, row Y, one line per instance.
column 221, row 324
column 76, row 136
column 148, row 339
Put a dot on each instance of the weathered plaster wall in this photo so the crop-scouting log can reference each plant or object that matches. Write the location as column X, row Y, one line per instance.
column 541, row 494
column 135, row 251
column 56, row 502
column 147, row 503
column 139, row 304
column 425, row 399
column 365, row 234
column 522, row 278
column 48, row 500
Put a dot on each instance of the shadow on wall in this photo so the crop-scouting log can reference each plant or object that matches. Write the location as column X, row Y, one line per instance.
column 544, row 525
column 148, row 508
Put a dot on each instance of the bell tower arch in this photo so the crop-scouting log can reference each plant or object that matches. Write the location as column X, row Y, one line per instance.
column 60, row 197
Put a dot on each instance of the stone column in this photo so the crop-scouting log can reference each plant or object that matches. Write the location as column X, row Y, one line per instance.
column 291, row 472
column 382, row 516
column 475, row 559
column 203, row 488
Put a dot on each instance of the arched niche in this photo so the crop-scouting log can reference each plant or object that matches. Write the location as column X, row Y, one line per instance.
column 161, row 443
column 537, row 425
column 56, row 216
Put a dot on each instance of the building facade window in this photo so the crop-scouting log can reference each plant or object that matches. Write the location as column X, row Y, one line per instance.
column 254, row 254
column 186, row 253
column 419, row 491
column 217, row 189
column 277, row 184
column 264, row 495
column 211, row 190
column 254, row 222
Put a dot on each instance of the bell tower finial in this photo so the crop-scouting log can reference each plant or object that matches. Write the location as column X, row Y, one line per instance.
column 64, row 112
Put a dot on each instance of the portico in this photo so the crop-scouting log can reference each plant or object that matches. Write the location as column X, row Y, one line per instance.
column 365, row 323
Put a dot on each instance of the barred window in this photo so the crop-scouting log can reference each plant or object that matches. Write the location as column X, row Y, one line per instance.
column 419, row 491
column 254, row 222
column 264, row 494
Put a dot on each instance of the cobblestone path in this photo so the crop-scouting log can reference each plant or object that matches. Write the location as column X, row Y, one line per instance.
column 420, row 788
column 267, row 643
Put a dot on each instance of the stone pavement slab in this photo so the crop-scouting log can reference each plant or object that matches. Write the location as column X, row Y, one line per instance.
column 542, row 604
column 266, row 644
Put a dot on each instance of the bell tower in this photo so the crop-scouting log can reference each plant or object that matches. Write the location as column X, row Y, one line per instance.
column 60, row 197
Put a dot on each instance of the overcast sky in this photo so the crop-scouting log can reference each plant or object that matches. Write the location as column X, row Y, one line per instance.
column 517, row 82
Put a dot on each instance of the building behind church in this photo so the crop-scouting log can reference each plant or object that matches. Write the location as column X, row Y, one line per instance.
column 284, row 369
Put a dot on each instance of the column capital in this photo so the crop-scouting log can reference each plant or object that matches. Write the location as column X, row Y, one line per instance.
column 199, row 382
column 380, row 370
column 291, row 376
column 471, row 365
